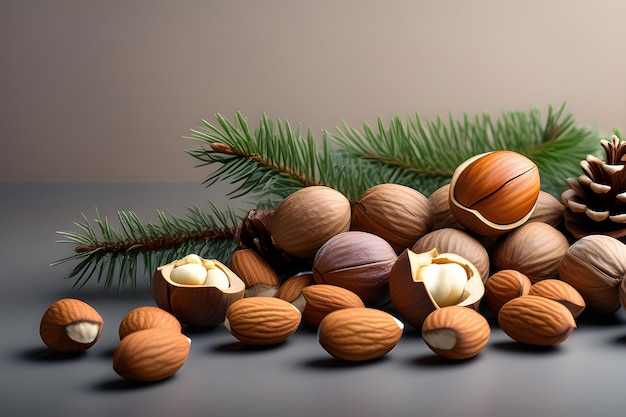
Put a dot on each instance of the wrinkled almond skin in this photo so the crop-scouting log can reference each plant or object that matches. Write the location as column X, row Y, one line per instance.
column 359, row 334
column 147, row 317
column 502, row 286
column 494, row 192
column 258, row 275
column 359, row 262
column 397, row 213
column 451, row 240
column 151, row 354
column 560, row 291
column 62, row 313
column 262, row 320
column 322, row 299
column 535, row 320
column 534, row 249
column 195, row 305
column 595, row 265
column 307, row 218
column 456, row 332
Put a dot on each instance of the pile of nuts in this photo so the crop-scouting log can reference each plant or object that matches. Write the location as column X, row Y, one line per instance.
column 489, row 243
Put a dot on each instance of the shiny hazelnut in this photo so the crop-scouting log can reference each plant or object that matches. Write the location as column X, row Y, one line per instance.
column 495, row 192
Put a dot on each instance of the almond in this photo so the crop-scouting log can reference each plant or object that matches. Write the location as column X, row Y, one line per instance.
column 359, row 333
column 322, row 299
column 560, row 291
column 456, row 332
column 258, row 275
column 503, row 286
column 536, row 320
column 291, row 289
column 147, row 317
column 70, row 325
column 151, row 354
column 262, row 320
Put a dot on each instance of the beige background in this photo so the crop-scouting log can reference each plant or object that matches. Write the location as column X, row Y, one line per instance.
column 104, row 91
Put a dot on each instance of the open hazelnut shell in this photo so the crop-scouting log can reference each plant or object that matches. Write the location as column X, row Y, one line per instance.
column 411, row 297
column 195, row 305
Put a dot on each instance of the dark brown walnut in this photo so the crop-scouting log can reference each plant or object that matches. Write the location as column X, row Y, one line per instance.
column 359, row 262
column 397, row 213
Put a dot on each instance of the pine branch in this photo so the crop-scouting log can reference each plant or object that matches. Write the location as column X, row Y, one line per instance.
column 430, row 151
column 123, row 252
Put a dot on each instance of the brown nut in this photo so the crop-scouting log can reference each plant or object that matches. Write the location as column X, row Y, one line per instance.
column 494, row 192
column 291, row 289
column 503, row 286
column 456, row 332
column 534, row 249
column 397, row 213
column 595, row 265
column 196, row 305
column 70, row 325
column 622, row 293
column 262, row 320
column 440, row 208
column 151, row 354
column 359, row 262
column 451, row 240
column 147, row 317
column 419, row 283
column 535, row 320
column 306, row 219
column 258, row 275
column 359, row 333
column 548, row 210
column 322, row 299
column 560, row 291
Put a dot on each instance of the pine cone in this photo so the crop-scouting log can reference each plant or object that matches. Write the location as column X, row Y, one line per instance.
column 596, row 201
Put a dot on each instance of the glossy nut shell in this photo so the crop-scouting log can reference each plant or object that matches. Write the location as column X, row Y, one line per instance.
column 494, row 192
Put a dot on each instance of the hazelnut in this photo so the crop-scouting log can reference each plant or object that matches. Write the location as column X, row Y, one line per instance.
column 357, row 261
column 494, row 192
column 419, row 283
column 534, row 249
column 307, row 218
column 196, row 291
column 397, row 213
column 440, row 208
column 595, row 266
column 450, row 240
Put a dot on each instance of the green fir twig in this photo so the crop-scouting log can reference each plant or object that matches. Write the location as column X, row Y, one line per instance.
column 121, row 254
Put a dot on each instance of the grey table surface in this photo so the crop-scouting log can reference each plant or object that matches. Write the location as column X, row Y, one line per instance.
column 584, row 376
